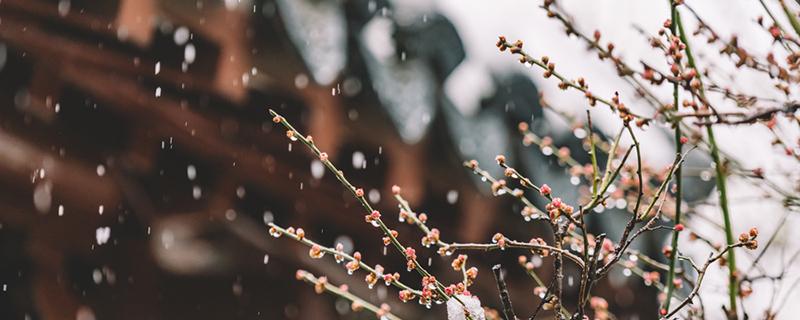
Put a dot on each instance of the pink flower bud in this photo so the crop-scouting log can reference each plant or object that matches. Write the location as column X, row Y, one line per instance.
column 545, row 190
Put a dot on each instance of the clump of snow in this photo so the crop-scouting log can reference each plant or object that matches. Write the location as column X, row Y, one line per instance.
column 455, row 311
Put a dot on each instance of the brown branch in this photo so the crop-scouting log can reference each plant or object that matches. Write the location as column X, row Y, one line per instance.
column 505, row 298
column 701, row 273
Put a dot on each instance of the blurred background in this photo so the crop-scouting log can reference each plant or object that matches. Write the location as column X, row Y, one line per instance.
column 138, row 163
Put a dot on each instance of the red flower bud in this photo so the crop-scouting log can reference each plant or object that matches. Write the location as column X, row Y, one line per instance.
column 545, row 190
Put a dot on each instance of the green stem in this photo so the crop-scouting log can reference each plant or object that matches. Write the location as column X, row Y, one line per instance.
column 792, row 19
column 593, row 153
column 675, row 233
column 679, row 149
column 723, row 202
column 720, row 179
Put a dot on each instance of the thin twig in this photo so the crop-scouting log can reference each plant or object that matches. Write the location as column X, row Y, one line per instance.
column 505, row 298
column 701, row 273
column 321, row 285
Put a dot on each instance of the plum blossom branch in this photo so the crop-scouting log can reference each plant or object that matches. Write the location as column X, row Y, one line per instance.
column 746, row 240
column 354, row 262
column 373, row 216
column 321, row 285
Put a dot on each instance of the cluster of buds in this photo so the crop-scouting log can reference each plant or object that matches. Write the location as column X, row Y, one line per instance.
column 316, row 252
column 501, row 159
column 516, row 47
column 387, row 239
column 624, row 112
column 650, row 75
column 539, row 251
column 445, row 250
column 273, row 231
column 429, row 282
column 457, row 289
column 501, row 43
column 472, row 274
column 749, row 239
column 319, row 285
column 290, row 230
column 498, row 185
column 389, row 278
column 551, row 67
column 590, row 97
column 354, row 264
column 459, row 262
column 426, row 296
column 528, row 213
column 300, row 274
column 372, row 278
column 411, row 258
column 403, row 216
column 373, row 218
column 582, row 83
column 545, row 190
column 556, row 207
column 406, row 295
column 429, row 285
column 431, row 238
column 500, row 240
column 675, row 48
column 473, row 164
column 651, row 277
column 383, row 311
column 686, row 103
column 339, row 255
